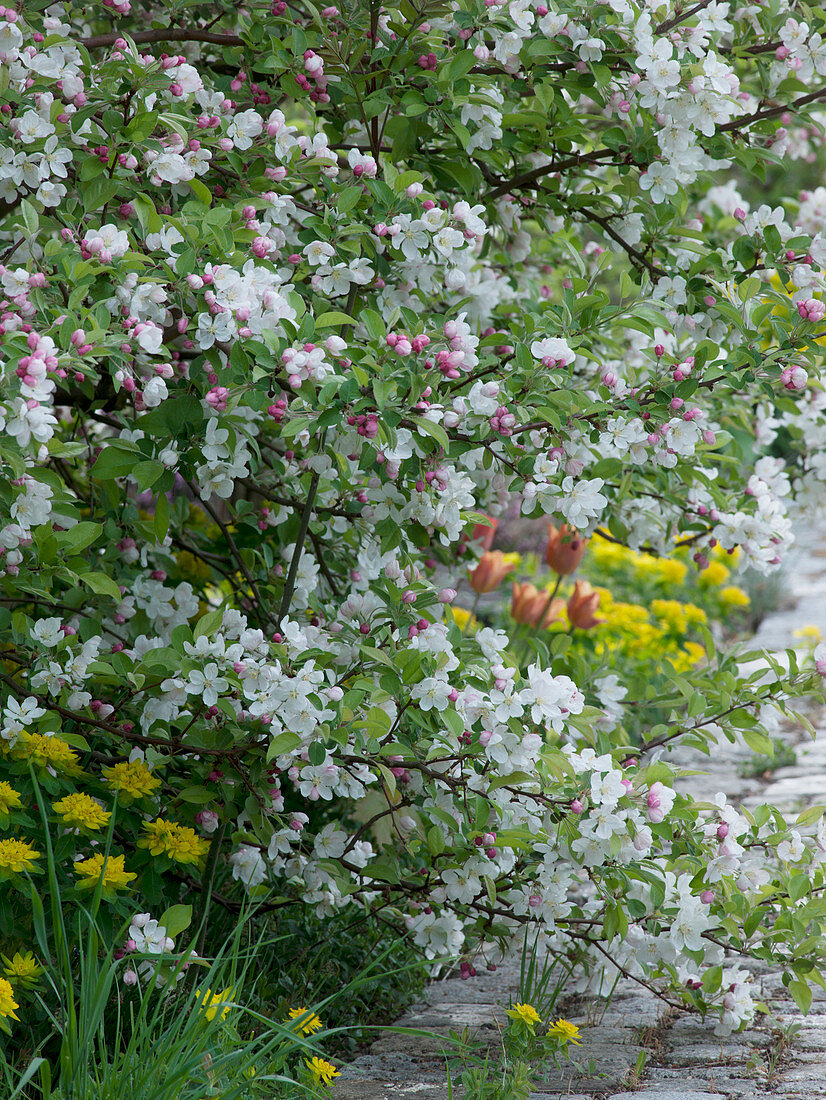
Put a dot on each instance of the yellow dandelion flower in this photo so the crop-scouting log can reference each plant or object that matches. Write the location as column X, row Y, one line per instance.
column 810, row 633
column 323, row 1072
column 7, row 1002
column 566, row 1031
column 210, row 1003
column 307, row 1021
column 115, row 876
column 81, row 811
column 22, row 968
column 732, row 596
column 525, row 1014
column 9, row 798
column 131, row 778
column 17, row 856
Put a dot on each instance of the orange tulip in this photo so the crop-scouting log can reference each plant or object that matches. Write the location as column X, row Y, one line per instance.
column 565, row 549
column 490, row 572
column 533, row 606
column 582, row 604
column 485, row 534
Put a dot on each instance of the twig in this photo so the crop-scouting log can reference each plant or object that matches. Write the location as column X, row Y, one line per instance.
column 666, row 26
column 236, row 553
column 289, row 583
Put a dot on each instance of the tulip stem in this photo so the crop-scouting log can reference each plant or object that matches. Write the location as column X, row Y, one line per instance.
column 466, row 627
column 550, row 599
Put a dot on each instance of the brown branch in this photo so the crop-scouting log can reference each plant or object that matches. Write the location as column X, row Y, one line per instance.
column 165, row 34
column 772, row 112
column 634, row 253
column 528, row 179
column 236, row 553
column 663, row 28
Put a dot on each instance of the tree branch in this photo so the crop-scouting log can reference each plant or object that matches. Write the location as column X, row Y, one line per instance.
column 528, row 179
column 771, row 112
column 634, row 253
column 165, row 34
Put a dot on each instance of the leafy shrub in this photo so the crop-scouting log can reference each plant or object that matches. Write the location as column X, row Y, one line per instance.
column 284, row 318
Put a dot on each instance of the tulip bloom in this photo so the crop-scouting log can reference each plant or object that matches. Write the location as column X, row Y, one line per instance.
column 582, row 605
column 484, row 533
column 565, row 549
column 490, row 572
column 533, row 606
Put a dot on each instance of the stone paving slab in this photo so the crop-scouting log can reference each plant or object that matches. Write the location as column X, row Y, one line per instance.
column 364, row 1089
column 675, row 1092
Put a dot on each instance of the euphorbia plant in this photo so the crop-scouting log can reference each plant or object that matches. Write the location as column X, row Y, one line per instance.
column 292, row 299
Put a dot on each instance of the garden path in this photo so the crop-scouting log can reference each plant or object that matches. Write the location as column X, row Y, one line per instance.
column 683, row 1060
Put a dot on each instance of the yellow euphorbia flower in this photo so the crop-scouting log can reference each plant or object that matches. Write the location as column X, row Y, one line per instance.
column 81, row 811
column 732, row 596
column 132, row 779
column 17, row 856
column 566, row 1031
column 525, row 1014
column 115, row 876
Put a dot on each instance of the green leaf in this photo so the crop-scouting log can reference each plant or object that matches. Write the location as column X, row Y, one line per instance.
column 200, row 191
column 99, row 192
column 141, row 126
column 712, row 979
column 436, row 431
column 334, row 317
column 30, row 217
column 373, row 323
column 284, row 742
column 176, row 919
column 348, row 198
column 317, row 753
column 197, row 795
column 147, row 473
column 161, row 521
column 810, row 815
column 80, row 536
column 117, row 460
column 758, row 742
column 435, row 840
column 377, row 722
column 102, row 585
column 209, row 623
column 802, row 995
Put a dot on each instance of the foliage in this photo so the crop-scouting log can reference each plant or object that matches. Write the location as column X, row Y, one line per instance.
column 190, row 1032
column 285, row 317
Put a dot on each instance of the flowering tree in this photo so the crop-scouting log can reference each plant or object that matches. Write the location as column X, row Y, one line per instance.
column 285, row 317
